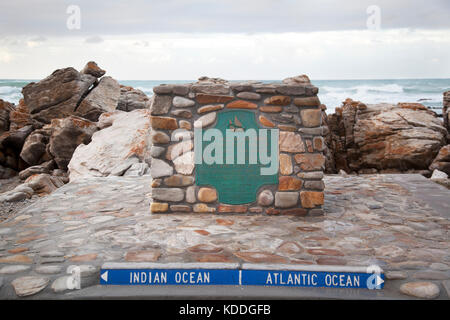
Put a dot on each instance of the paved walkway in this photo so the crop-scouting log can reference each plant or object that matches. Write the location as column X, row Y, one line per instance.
column 400, row 222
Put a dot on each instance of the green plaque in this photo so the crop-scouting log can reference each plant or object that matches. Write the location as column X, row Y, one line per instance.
column 245, row 160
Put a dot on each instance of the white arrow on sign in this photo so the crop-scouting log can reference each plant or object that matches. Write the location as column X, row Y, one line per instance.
column 104, row 276
column 379, row 280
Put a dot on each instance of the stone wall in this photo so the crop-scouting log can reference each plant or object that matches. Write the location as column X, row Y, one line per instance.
column 292, row 106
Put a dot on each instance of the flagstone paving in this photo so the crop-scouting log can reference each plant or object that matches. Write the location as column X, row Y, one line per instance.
column 399, row 222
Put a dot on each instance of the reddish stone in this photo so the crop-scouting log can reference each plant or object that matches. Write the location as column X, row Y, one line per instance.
column 18, row 250
column 214, row 258
column 307, row 102
column 260, row 257
column 284, row 127
column 84, row 257
column 270, row 109
column 278, row 100
column 142, row 256
column 202, row 232
column 205, row 248
column 286, row 183
column 165, row 123
column 30, row 238
column 318, row 143
column 209, row 98
column 20, row 258
column 294, row 212
column 241, row 104
column 266, row 122
column 210, row 108
column 224, row 222
column 310, row 162
column 311, row 199
column 224, row 208
column 273, row 211
column 290, row 247
column 311, row 117
column 325, row 252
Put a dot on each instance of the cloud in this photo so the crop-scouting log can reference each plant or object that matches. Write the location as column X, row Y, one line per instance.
column 49, row 17
column 94, row 39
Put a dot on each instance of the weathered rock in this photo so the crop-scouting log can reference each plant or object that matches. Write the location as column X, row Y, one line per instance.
column 5, row 110
column 180, row 102
column 137, row 169
column 291, row 142
column 298, row 80
column 249, row 95
column 156, row 207
column 179, row 180
column 241, row 104
column 21, row 117
column 27, row 286
column 287, row 183
column 103, row 98
column 67, row 135
column 164, row 123
column 203, row 208
column 131, row 99
column 278, row 100
column 285, row 164
column 442, row 160
column 93, row 69
column 286, row 199
column 44, row 183
column 34, row 149
column 311, row 199
column 185, row 163
column 438, row 175
column 128, row 137
column 58, row 95
column 209, row 108
column 446, row 110
column 207, row 195
column 205, row 120
column 168, row 194
column 266, row 122
column 384, row 136
column 160, row 104
column 424, row 290
column 265, row 198
column 311, row 117
column 176, row 150
column 310, row 162
column 15, row 139
column 160, row 169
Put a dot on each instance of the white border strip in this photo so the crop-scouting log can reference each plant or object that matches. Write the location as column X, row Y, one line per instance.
column 235, row 266
column 170, row 265
column 305, row 267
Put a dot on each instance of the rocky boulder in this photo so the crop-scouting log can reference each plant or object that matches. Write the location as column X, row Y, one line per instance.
column 401, row 137
column 446, row 110
column 58, row 95
column 442, row 160
column 5, row 110
column 122, row 144
column 103, row 98
column 67, row 135
column 34, row 149
column 131, row 99
column 93, row 69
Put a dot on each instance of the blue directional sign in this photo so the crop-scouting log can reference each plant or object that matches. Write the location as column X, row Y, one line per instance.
column 169, row 277
column 291, row 278
column 312, row 279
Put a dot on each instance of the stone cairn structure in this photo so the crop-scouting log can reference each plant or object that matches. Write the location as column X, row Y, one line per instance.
column 291, row 106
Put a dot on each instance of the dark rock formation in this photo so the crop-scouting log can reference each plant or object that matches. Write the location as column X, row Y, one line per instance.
column 372, row 138
column 131, row 99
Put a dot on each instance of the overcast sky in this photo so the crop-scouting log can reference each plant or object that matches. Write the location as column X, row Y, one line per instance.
column 233, row 39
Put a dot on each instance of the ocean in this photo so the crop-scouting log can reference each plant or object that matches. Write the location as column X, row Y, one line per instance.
column 331, row 92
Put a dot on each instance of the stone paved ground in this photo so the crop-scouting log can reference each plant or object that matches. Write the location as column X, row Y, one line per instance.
column 400, row 222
